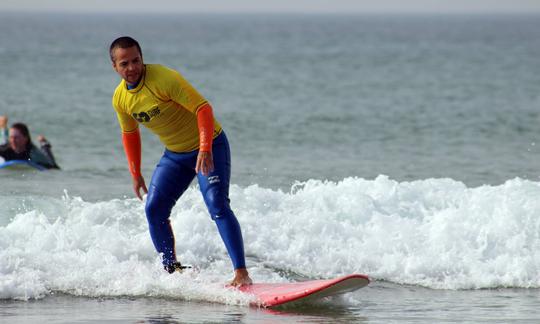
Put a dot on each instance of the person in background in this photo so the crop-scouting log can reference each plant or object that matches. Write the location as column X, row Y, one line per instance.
column 16, row 144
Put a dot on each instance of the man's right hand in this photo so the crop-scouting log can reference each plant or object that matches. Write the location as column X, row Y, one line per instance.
column 3, row 121
column 138, row 184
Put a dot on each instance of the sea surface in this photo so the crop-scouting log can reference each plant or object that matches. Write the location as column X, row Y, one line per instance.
column 404, row 147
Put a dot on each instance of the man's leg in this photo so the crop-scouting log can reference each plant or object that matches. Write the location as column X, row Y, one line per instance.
column 215, row 190
column 169, row 181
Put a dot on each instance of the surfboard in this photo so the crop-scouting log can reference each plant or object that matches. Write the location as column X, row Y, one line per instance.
column 21, row 164
column 277, row 294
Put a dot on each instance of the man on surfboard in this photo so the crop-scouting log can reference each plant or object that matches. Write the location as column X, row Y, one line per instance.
column 195, row 146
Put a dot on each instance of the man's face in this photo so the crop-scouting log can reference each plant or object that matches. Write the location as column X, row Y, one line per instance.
column 128, row 63
column 17, row 140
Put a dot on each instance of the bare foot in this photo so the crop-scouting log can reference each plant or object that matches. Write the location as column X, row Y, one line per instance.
column 241, row 278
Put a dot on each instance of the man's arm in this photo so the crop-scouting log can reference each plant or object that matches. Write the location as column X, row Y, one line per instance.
column 205, row 122
column 183, row 93
column 131, row 140
column 132, row 147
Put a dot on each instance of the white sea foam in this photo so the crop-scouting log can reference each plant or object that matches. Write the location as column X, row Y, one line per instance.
column 436, row 233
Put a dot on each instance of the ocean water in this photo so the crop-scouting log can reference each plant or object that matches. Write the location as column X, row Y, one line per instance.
column 402, row 147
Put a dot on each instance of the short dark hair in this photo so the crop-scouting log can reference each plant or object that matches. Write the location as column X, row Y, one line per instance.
column 123, row 42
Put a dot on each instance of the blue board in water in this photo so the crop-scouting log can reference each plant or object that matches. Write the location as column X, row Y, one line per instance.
column 21, row 164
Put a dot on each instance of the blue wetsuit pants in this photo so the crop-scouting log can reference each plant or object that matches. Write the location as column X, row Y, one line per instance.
column 172, row 177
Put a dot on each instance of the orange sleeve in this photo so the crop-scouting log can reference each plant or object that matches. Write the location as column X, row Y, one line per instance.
column 132, row 147
column 205, row 121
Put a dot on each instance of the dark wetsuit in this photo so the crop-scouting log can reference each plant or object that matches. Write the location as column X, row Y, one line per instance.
column 42, row 156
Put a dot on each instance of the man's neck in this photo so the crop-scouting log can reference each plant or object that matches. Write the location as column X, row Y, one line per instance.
column 133, row 85
column 136, row 84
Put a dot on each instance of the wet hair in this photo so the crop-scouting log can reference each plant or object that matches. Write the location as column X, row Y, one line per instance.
column 123, row 42
column 23, row 129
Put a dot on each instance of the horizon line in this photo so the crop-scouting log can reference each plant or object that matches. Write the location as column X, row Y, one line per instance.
column 274, row 12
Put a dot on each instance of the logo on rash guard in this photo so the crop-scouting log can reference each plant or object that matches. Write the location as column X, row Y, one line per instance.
column 144, row 117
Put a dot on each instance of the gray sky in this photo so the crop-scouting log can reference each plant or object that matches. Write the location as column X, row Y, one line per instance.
column 308, row 6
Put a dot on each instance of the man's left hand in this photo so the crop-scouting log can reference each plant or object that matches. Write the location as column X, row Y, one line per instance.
column 205, row 163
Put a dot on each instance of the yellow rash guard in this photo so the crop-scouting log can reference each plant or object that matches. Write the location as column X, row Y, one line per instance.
column 165, row 103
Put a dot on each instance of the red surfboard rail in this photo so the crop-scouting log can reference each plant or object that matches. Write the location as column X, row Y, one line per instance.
column 275, row 294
